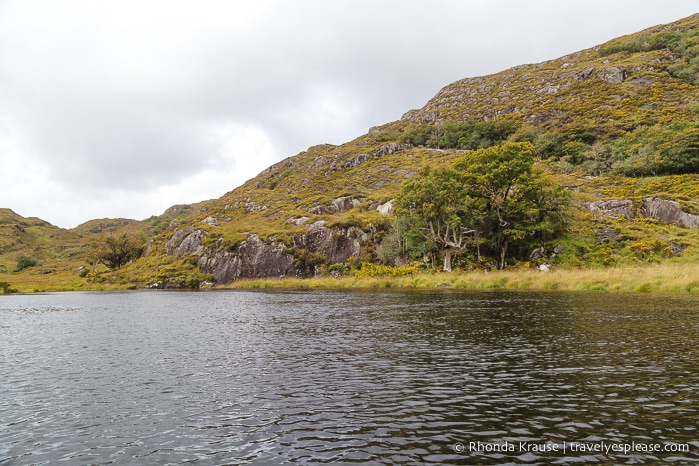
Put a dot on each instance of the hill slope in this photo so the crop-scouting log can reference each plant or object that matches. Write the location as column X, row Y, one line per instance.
column 615, row 122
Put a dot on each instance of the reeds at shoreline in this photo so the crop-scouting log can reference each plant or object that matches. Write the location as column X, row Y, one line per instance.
column 668, row 277
column 655, row 278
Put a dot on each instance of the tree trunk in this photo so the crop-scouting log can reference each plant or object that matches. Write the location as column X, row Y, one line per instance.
column 478, row 248
column 503, row 254
column 447, row 260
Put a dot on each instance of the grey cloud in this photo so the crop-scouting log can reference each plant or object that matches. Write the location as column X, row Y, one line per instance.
column 124, row 95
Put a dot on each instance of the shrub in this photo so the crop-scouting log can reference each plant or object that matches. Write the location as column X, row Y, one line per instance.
column 307, row 260
column 25, row 262
column 651, row 250
column 374, row 270
column 5, row 288
column 339, row 268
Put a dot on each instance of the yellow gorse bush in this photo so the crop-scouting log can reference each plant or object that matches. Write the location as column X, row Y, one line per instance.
column 368, row 269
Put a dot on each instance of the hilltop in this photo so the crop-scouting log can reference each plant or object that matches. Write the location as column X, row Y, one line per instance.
column 615, row 124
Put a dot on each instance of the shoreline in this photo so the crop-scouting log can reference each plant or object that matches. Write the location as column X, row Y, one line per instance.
column 673, row 278
column 664, row 278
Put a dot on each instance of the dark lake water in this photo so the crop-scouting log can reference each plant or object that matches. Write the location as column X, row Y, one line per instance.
column 235, row 377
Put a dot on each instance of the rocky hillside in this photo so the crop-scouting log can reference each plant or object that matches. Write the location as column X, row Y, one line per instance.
column 616, row 124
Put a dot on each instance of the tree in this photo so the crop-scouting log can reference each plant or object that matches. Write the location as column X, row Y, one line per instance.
column 403, row 243
column 501, row 178
column 115, row 251
column 438, row 199
column 492, row 197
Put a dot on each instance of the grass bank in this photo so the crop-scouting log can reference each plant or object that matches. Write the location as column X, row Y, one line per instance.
column 657, row 278
column 676, row 278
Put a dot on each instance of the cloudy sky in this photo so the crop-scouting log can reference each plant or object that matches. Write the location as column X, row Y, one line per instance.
column 122, row 108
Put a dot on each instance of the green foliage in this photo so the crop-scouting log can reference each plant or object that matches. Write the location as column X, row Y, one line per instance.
column 474, row 134
column 25, row 262
column 339, row 268
column 490, row 200
column 369, row 269
column 5, row 288
column 421, row 135
column 115, row 251
column 442, row 210
column 403, row 243
column 658, row 150
column 469, row 135
column 307, row 260
column 650, row 251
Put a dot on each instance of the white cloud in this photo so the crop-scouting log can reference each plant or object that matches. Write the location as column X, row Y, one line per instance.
column 123, row 108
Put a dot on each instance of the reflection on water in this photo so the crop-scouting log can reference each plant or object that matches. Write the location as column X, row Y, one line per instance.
column 347, row 377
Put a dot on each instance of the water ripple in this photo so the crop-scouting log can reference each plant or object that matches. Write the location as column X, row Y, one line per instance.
column 344, row 377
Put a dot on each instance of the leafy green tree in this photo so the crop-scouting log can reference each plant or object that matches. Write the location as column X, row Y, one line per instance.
column 501, row 178
column 419, row 135
column 403, row 243
column 438, row 199
column 491, row 197
column 115, row 251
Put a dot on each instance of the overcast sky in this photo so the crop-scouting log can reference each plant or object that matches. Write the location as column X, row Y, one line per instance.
column 122, row 108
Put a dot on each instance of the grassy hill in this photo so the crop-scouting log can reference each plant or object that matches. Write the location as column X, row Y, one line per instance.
column 617, row 121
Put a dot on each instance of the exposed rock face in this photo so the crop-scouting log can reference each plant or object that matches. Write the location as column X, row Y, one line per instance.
column 211, row 221
column 257, row 258
column 339, row 205
column 299, row 221
column 664, row 210
column 354, row 162
column 386, row 209
column 223, row 265
column 390, row 148
column 620, row 207
column 613, row 75
column 251, row 206
column 342, row 204
column 335, row 245
column 185, row 242
column 264, row 258
column 668, row 212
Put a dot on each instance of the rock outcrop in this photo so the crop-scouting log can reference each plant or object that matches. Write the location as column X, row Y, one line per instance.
column 618, row 207
column 337, row 206
column 613, row 75
column 185, row 242
column 668, row 212
column 664, row 210
column 386, row 208
column 256, row 258
column 335, row 244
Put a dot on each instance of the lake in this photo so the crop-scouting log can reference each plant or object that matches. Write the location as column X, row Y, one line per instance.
column 368, row 377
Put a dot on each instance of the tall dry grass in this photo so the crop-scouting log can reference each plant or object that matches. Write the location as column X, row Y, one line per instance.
column 652, row 278
column 656, row 278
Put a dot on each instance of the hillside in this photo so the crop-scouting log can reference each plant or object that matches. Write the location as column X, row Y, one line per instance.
column 617, row 122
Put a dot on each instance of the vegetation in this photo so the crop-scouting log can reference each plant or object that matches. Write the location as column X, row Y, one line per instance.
column 666, row 278
column 115, row 251
column 25, row 262
column 491, row 200
column 5, row 288
column 488, row 171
